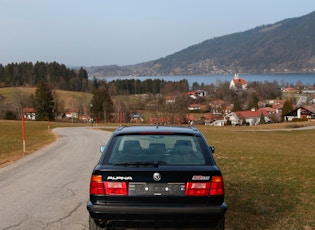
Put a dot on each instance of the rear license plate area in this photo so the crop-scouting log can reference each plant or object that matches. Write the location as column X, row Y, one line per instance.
column 156, row 189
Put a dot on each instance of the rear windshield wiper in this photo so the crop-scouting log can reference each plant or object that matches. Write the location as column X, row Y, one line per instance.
column 139, row 163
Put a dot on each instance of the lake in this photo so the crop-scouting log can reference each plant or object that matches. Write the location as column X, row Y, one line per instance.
column 290, row 78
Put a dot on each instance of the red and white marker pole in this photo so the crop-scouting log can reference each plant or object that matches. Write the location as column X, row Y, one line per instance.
column 23, row 133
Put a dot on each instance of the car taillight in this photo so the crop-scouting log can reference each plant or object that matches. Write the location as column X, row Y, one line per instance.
column 215, row 187
column 100, row 187
column 96, row 185
column 116, row 188
column 197, row 189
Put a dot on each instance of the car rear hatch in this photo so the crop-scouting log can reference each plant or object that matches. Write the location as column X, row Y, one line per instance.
column 157, row 185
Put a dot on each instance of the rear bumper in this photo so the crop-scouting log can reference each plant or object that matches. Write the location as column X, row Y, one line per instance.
column 181, row 215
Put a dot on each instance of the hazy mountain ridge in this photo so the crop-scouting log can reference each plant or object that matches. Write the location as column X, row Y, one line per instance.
column 285, row 46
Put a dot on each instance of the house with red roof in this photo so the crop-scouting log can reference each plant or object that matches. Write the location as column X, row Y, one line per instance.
column 29, row 114
column 70, row 114
column 170, row 99
column 194, row 107
column 269, row 110
column 196, row 94
column 191, row 94
column 190, row 118
column 306, row 111
column 214, row 120
column 289, row 89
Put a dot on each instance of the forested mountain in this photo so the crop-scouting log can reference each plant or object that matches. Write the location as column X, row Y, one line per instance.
column 285, row 46
column 58, row 76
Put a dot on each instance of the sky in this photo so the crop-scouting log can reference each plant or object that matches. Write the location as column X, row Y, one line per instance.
column 126, row 32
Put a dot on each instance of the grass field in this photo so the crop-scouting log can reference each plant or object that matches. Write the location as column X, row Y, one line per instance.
column 269, row 175
column 13, row 96
column 37, row 134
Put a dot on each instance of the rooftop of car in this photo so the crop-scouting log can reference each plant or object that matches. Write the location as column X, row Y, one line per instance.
column 153, row 128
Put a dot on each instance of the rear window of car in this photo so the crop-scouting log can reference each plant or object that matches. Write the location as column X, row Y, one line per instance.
column 165, row 149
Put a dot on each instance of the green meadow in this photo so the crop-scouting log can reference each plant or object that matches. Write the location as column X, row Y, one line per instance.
column 269, row 173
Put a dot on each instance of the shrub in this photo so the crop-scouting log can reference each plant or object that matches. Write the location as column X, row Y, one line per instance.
column 9, row 115
column 299, row 119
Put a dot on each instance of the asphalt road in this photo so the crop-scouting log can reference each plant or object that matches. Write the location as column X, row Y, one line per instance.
column 49, row 189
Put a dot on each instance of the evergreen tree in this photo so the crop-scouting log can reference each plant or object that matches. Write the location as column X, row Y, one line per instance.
column 237, row 104
column 40, row 72
column 262, row 119
column 83, row 77
column 195, row 86
column 287, row 107
column 44, row 102
column 1, row 73
column 101, row 104
column 254, row 101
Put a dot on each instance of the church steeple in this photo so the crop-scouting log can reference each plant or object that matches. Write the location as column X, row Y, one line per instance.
column 238, row 81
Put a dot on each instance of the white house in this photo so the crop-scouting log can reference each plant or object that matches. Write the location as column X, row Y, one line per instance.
column 72, row 115
column 250, row 117
column 29, row 114
column 196, row 94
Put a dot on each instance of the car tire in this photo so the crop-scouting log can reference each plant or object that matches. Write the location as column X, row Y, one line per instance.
column 93, row 225
column 221, row 224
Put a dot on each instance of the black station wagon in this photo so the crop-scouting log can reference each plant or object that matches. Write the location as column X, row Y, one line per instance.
column 156, row 177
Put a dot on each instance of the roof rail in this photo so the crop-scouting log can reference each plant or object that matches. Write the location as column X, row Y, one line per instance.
column 121, row 127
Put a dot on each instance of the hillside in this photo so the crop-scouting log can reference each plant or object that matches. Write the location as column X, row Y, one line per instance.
column 12, row 97
column 285, row 46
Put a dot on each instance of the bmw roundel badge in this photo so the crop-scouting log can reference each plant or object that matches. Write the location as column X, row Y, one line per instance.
column 157, row 176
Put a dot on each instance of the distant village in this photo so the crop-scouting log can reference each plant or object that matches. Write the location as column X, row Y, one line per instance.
column 221, row 114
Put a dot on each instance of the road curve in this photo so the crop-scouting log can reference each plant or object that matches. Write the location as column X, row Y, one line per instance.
column 49, row 189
